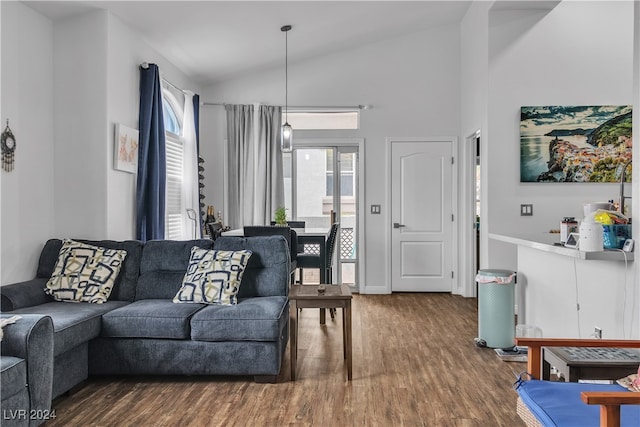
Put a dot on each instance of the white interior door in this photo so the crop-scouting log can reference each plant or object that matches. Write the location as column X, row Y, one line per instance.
column 422, row 216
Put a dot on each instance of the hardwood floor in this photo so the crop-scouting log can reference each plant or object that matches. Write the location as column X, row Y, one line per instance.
column 414, row 364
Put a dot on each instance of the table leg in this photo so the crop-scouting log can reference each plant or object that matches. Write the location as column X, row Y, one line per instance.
column 323, row 316
column 293, row 337
column 323, row 263
column 546, row 370
column 348, row 339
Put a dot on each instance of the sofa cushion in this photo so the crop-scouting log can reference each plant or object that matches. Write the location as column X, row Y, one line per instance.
column 73, row 324
column 150, row 318
column 163, row 265
column 268, row 271
column 124, row 287
column 84, row 273
column 213, row 277
column 13, row 375
column 252, row 319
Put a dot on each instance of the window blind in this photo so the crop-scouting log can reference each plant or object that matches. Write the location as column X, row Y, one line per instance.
column 174, row 222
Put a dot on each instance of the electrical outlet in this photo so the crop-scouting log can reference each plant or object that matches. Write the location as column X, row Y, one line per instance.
column 597, row 332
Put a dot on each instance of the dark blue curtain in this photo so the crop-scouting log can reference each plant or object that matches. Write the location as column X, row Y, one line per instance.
column 150, row 197
column 196, row 118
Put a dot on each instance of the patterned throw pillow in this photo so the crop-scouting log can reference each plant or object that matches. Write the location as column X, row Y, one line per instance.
column 631, row 382
column 213, row 277
column 84, row 273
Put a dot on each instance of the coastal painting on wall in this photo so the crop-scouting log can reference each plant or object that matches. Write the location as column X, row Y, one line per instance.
column 574, row 144
column 126, row 149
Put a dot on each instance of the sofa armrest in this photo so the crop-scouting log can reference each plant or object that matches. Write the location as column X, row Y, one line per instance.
column 23, row 294
column 31, row 338
column 610, row 404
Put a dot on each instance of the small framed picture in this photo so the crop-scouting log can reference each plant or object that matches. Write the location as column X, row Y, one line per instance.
column 125, row 149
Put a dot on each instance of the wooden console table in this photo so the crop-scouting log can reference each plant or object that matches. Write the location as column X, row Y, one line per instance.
column 307, row 296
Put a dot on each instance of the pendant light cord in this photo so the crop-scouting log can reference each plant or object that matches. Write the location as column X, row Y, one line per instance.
column 286, row 29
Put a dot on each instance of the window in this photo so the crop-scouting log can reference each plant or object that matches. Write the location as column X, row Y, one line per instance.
column 171, row 122
column 173, row 114
column 347, row 184
column 326, row 119
column 322, row 120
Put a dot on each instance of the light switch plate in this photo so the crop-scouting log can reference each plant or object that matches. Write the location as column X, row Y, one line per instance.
column 375, row 209
column 526, row 210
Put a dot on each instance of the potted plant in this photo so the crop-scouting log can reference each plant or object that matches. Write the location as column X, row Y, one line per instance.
column 280, row 216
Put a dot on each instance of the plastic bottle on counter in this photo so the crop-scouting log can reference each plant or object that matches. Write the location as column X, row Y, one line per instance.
column 567, row 226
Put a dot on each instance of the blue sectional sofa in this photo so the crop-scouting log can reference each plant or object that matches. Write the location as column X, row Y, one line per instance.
column 139, row 330
column 26, row 371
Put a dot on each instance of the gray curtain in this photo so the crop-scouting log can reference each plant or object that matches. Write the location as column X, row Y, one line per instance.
column 239, row 166
column 269, row 187
column 255, row 174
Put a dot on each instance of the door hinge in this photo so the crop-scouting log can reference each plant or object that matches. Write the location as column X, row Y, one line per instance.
column 452, row 274
column 453, row 160
column 452, row 218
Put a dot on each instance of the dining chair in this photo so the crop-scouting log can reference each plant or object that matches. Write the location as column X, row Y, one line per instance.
column 214, row 230
column 314, row 260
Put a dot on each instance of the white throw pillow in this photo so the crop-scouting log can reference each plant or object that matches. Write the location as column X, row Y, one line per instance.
column 8, row 321
column 84, row 273
column 213, row 277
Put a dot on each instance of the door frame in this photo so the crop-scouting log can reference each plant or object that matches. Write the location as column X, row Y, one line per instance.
column 360, row 186
column 389, row 141
column 468, row 240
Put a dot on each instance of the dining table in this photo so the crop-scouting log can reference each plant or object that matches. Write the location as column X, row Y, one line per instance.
column 306, row 236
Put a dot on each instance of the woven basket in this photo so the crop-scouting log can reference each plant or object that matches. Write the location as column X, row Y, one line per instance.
column 523, row 411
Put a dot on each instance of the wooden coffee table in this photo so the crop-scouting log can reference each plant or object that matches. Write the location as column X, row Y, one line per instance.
column 307, row 296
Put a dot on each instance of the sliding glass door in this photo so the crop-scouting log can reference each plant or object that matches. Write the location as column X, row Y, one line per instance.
column 319, row 182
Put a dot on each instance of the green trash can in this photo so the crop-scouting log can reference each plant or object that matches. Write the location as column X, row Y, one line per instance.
column 496, row 314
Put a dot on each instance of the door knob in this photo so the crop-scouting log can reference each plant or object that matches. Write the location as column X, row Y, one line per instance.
column 397, row 225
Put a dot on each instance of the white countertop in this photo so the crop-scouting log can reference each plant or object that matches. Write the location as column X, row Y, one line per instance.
column 545, row 242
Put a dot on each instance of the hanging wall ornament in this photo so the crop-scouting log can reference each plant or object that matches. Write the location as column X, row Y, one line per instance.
column 8, row 143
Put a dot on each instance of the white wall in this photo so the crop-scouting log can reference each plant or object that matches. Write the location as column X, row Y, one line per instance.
column 412, row 82
column 123, row 59
column 80, row 112
column 126, row 50
column 580, row 53
column 604, row 290
column 97, row 86
column 474, row 69
column 27, row 101
column 64, row 86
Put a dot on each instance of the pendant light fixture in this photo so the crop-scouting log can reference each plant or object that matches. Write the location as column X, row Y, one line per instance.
column 286, row 140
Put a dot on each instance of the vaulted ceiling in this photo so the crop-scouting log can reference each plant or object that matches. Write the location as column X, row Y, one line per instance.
column 213, row 40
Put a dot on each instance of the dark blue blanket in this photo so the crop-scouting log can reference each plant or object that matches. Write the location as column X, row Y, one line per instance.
column 559, row 404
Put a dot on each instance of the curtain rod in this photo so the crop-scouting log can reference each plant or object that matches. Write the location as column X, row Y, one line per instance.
column 323, row 107
column 145, row 65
